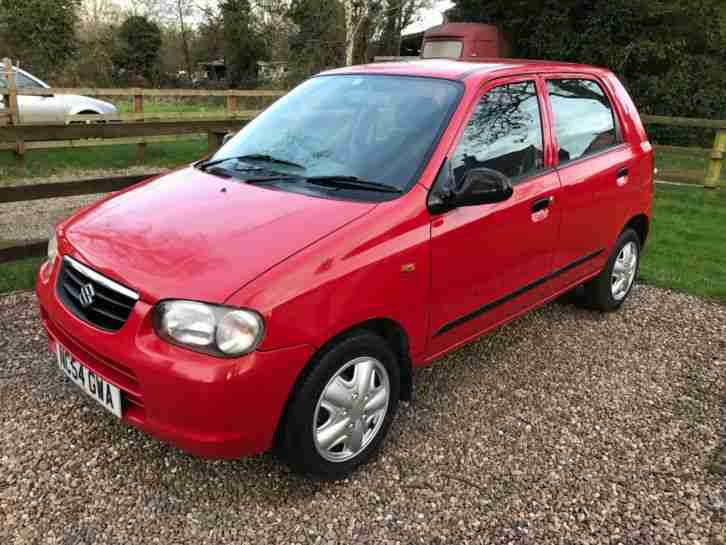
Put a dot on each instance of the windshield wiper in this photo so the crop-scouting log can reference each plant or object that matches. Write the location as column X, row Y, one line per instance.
column 250, row 157
column 352, row 182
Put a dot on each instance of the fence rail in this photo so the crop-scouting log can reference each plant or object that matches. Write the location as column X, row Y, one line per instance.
column 37, row 248
column 138, row 127
column 142, row 128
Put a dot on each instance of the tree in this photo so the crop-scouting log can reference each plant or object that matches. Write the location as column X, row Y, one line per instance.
column 397, row 15
column 209, row 42
column 137, row 47
column 357, row 13
column 242, row 48
column 185, row 9
column 669, row 53
column 319, row 42
column 40, row 34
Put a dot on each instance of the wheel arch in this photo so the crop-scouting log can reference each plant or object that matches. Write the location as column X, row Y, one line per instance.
column 641, row 225
column 393, row 333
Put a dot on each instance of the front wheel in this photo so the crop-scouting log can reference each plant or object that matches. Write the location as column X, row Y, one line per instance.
column 341, row 411
column 608, row 291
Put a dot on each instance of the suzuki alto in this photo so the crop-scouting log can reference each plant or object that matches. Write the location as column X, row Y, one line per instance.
column 280, row 292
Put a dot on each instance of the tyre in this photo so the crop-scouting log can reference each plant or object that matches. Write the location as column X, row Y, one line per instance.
column 609, row 290
column 342, row 409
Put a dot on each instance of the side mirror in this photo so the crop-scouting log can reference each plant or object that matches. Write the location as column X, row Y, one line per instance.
column 480, row 186
column 483, row 186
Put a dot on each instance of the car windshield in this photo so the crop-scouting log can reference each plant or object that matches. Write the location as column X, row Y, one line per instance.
column 371, row 127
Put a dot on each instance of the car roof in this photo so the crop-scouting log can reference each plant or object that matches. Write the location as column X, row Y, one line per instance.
column 460, row 70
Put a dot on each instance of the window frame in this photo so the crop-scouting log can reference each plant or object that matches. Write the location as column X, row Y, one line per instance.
column 545, row 127
column 614, row 108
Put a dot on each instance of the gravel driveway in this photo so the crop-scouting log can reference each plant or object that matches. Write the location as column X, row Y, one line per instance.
column 564, row 427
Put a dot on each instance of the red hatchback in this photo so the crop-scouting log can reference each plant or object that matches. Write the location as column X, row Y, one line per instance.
column 372, row 220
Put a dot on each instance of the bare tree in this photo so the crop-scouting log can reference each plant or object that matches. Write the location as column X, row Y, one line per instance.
column 385, row 19
column 396, row 16
column 356, row 13
column 184, row 9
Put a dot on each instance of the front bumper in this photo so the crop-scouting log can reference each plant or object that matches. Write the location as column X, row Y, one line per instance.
column 209, row 407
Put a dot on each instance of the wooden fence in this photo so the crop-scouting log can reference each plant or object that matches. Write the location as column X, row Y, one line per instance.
column 712, row 178
column 139, row 127
column 142, row 128
column 24, row 193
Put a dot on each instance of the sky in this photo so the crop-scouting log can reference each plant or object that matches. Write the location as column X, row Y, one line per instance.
column 429, row 17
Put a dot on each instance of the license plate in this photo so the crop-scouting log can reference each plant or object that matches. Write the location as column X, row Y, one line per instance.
column 106, row 394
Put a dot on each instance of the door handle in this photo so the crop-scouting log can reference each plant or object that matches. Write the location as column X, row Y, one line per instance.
column 622, row 178
column 541, row 204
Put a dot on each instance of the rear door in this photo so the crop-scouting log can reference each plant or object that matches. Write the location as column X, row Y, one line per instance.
column 594, row 168
column 491, row 262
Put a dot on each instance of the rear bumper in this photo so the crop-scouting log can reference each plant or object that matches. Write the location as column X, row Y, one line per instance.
column 209, row 407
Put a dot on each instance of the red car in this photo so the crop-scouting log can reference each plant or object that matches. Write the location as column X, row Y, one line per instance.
column 280, row 292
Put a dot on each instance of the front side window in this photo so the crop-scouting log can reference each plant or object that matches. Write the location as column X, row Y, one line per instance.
column 584, row 120
column 503, row 134
column 376, row 128
column 442, row 49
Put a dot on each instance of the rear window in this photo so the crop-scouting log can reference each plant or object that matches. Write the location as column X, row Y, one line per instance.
column 584, row 119
column 442, row 50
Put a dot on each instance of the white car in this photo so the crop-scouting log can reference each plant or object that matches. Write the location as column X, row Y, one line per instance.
column 53, row 108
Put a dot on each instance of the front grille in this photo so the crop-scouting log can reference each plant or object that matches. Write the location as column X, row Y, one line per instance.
column 92, row 297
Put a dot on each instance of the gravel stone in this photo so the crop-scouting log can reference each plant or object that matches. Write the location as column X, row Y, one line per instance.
column 566, row 426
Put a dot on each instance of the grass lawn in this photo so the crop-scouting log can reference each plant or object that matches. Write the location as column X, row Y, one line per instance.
column 685, row 251
column 18, row 275
column 72, row 161
column 173, row 106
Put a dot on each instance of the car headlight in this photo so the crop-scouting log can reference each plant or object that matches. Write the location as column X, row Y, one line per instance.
column 211, row 329
column 52, row 248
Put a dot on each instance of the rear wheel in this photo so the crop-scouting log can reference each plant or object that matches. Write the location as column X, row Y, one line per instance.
column 609, row 290
column 342, row 410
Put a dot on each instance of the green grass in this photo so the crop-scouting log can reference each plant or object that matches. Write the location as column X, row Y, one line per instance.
column 686, row 250
column 60, row 161
column 680, row 161
column 191, row 104
column 158, row 106
column 19, row 275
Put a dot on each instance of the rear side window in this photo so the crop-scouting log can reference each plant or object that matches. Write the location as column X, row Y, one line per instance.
column 503, row 134
column 584, row 119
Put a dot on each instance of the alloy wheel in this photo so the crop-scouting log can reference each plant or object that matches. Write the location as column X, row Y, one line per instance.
column 624, row 271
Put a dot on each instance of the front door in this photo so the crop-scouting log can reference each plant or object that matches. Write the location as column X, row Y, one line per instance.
column 491, row 262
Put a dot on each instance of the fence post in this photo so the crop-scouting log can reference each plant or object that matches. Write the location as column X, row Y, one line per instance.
column 11, row 101
column 139, row 108
column 231, row 104
column 214, row 140
column 713, row 175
